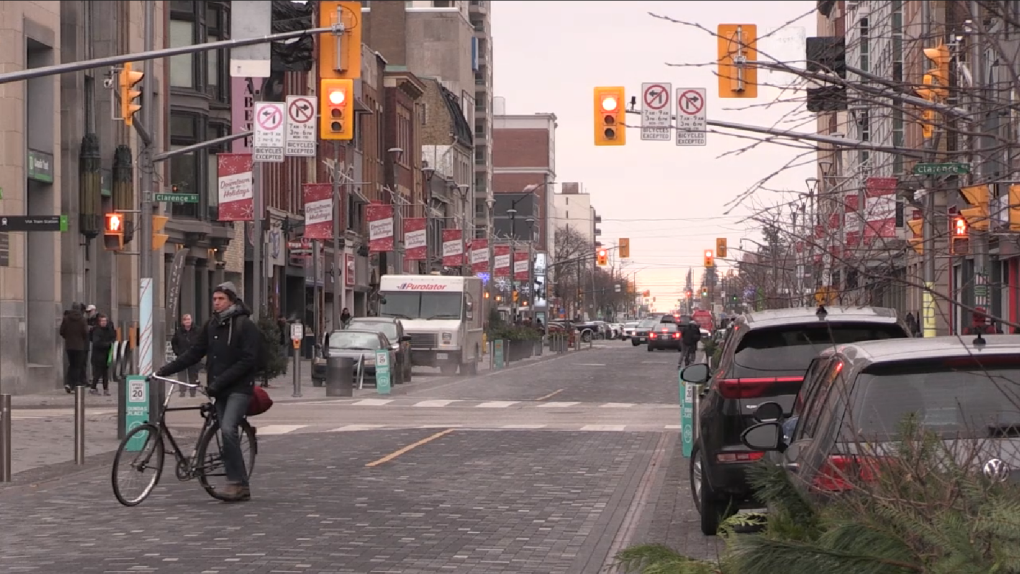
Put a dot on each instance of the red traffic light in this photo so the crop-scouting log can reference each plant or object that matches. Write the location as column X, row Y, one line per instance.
column 337, row 97
column 609, row 103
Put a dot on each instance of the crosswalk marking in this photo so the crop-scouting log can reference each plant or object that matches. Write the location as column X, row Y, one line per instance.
column 555, row 405
column 523, row 427
column 433, row 403
column 672, row 427
column 616, row 428
column 441, row 426
column 616, row 405
column 279, row 429
column 496, row 404
column 347, row 428
column 374, row 402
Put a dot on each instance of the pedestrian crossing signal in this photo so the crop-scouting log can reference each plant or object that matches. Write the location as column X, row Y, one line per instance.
column 113, row 232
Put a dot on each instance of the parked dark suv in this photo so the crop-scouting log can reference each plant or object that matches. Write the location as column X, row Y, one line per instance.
column 763, row 359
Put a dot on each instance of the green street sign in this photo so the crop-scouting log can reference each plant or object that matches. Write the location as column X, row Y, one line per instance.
column 382, row 372
column 941, row 168
column 177, row 197
column 137, row 411
column 687, row 391
column 497, row 354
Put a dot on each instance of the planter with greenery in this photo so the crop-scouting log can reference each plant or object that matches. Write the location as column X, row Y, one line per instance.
column 908, row 513
column 519, row 342
column 275, row 356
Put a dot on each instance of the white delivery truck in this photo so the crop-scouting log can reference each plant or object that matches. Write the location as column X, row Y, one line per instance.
column 442, row 314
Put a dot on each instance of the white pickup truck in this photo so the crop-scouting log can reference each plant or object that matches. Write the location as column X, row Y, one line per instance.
column 443, row 316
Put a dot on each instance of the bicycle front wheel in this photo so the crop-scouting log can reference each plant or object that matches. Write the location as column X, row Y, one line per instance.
column 138, row 464
column 211, row 472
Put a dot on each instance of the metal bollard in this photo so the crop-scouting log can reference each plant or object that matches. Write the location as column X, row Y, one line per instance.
column 5, row 438
column 79, row 425
column 297, row 372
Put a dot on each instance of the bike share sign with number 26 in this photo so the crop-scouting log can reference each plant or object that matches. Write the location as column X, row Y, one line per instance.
column 137, row 411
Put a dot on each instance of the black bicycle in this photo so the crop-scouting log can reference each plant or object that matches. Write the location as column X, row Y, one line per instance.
column 144, row 449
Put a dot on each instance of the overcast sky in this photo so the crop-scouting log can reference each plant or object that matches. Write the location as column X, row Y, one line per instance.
column 670, row 201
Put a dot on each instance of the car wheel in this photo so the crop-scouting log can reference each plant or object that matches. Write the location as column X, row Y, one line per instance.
column 713, row 509
column 634, row 342
column 650, row 348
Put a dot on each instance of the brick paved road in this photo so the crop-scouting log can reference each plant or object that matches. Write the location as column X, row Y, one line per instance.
column 495, row 494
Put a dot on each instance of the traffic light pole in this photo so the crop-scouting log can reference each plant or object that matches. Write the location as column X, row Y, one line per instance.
column 979, row 240
column 147, row 181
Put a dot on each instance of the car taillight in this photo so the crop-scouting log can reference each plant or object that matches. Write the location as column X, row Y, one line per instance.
column 676, row 335
column 739, row 457
column 651, row 335
column 840, row 470
column 751, row 387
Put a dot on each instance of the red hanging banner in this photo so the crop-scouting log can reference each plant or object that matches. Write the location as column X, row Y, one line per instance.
column 380, row 227
column 415, row 239
column 480, row 256
column 453, row 248
column 318, row 210
column 502, row 261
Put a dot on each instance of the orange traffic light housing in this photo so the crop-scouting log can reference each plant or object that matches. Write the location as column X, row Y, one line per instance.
column 610, row 116
column 602, row 257
column 709, row 258
column 720, row 247
column 347, row 45
column 704, row 292
column 158, row 237
column 737, row 54
column 917, row 240
column 336, row 115
column 113, row 232
column 129, row 93
column 978, row 215
column 937, row 77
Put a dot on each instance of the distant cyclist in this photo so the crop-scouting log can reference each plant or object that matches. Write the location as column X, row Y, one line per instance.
column 689, row 338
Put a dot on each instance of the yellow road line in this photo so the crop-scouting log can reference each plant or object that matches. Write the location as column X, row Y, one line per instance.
column 409, row 448
column 550, row 395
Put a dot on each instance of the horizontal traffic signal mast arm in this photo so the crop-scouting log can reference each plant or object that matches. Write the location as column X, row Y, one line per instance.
column 828, row 140
column 69, row 67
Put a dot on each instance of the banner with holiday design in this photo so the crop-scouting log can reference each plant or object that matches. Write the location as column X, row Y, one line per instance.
column 318, row 199
column 380, row 227
column 453, row 248
column 480, row 256
column 501, row 256
column 415, row 239
column 522, row 265
column 236, row 185
column 879, row 211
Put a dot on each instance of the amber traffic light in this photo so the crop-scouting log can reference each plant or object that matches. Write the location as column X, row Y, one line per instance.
column 336, row 118
column 610, row 116
column 129, row 93
column 113, row 232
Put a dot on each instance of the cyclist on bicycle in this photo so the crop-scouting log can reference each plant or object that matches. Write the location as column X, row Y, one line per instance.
column 689, row 338
column 230, row 343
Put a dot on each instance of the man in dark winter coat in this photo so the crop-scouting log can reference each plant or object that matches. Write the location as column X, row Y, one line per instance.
column 75, row 332
column 231, row 343
column 183, row 339
column 102, row 338
column 690, row 336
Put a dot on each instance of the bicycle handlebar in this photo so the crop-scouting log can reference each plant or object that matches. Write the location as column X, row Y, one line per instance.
column 176, row 382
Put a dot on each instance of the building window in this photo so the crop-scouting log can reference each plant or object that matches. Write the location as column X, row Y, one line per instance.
column 404, row 132
column 897, row 40
column 865, row 124
column 898, row 138
column 184, row 168
column 865, row 47
column 182, row 68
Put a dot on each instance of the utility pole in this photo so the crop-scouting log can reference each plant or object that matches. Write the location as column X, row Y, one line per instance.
column 337, row 240
column 982, row 258
column 928, row 228
column 147, row 181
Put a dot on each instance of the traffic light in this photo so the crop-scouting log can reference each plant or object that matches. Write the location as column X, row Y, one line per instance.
column 959, row 226
column 977, row 215
column 704, row 292
column 336, row 118
column 602, row 257
column 128, row 93
column 113, row 232
column 960, row 233
column 347, row 46
column 720, row 247
column 610, row 117
column 935, row 86
column 624, row 248
column 737, row 54
column 709, row 259
column 917, row 241
column 158, row 237
column 514, row 296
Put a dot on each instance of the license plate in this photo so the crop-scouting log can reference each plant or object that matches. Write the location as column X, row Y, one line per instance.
column 441, row 356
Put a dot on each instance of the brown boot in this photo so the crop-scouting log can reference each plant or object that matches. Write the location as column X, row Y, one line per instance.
column 236, row 493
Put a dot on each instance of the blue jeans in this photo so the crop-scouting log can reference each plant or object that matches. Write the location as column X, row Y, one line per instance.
column 231, row 411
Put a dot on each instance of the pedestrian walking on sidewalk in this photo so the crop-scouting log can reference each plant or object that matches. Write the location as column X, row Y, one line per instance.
column 183, row 339
column 232, row 344
column 75, row 332
column 102, row 338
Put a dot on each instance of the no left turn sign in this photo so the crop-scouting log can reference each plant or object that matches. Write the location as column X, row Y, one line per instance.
column 656, row 96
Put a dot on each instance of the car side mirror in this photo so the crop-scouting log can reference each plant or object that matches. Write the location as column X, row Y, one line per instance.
column 763, row 436
column 405, row 339
column 697, row 374
column 770, row 411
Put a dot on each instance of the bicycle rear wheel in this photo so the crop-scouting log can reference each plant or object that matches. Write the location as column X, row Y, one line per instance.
column 141, row 451
column 211, row 472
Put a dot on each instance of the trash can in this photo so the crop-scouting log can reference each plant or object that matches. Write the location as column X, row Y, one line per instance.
column 339, row 377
